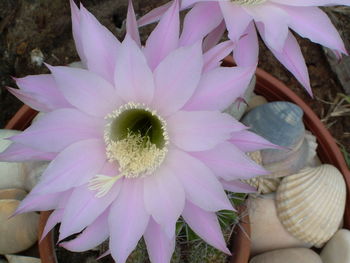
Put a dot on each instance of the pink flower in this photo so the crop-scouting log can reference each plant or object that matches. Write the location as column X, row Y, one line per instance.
column 136, row 139
column 272, row 18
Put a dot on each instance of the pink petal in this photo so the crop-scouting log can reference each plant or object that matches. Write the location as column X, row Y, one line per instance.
column 42, row 202
column 133, row 77
column 246, row 52
column 131, row 24
column 58, row 129
column 313, row 23
column 86, row 90
column 201, row 130
column 17, row 152
column 312, row 2
column 188, row 3
column 206, row 225
column 199, row 21
column 236, row 18
column 237, row 186
column 229, row 163
column 292, row 58
column 154, row 15
column 74, row 166
column 160, row 247
column 99, row 44
column 248, row 141
column 127, row 220
column 214, row 37
column 275, row 22
column 174, row 87
column 164, row 38
column 201, row 186
column 40, row 92
column 219, row 88
column 213, row 57
column 164, row 198
column 77, row 31
column 52, row 221
column 91, row 237
column 84, row 207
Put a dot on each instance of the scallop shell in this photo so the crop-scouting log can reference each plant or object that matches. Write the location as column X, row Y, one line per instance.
column 19, row 232
column 311, row 204
column 264, row 185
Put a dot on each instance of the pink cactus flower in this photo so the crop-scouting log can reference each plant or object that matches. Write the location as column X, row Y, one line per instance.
column 136, row 139
column 272, row 19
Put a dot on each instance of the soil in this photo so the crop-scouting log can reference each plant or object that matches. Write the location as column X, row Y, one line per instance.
column 29, row 27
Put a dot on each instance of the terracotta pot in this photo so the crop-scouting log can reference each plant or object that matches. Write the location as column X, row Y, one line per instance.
column 273, row 90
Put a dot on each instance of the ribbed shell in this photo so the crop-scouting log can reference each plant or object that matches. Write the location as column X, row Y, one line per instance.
column 264, row 185
column 311, row 204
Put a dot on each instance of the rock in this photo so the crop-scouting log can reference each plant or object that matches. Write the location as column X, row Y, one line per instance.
column 18, row 233
column 11, row 174
column 288, row 255
column 337, row 250
column 256, row 101
column 22, row 259
column 33, row 172
column 12, row 193
column 267, row 232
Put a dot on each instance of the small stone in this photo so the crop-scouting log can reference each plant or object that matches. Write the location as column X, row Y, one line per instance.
column 256, row 101
column 13, row 193
column 37, row 57
column 33, row 172
column 22, row 259
column 19, row 232
column 288, row 255
column 267, row 232
column 11, row 174
column 337, row 250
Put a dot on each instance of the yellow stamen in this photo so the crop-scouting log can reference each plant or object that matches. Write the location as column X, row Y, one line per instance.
column 136, row 139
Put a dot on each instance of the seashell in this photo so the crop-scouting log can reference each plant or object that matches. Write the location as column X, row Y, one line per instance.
column 286, row 162
column 264, row 185
column 19, row 232
column 255, row 156
column 33, row 172
column 13, row 193
column 311, row 203
column 11, row 174
column 21, row 259
column 267, row 232
column 256, row 101
column 238, row 108
column 279, row 122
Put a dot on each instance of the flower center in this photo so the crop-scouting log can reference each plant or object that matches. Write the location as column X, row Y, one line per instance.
column 136, row 138
column 248, row 2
